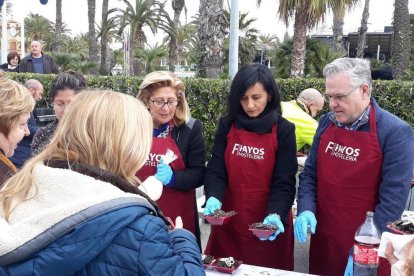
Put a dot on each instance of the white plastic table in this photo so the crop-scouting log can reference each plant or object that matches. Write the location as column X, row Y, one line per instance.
column 252, row 270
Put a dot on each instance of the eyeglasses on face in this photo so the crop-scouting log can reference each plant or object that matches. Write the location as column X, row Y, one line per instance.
column 160, row 102
column 339, row 97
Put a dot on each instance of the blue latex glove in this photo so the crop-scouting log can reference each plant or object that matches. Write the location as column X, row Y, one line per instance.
column 273, row 219
column 164, row 173
column 212, row 204
column 349, row 270
column 301, row 225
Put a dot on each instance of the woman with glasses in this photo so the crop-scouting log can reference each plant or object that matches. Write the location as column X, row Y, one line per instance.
column 16, row 103
column 163, row 95
column 252, row 172
column 64, row 87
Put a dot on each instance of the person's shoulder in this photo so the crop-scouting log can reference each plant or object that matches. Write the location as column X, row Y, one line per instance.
column 4, row 65
column 284, row 123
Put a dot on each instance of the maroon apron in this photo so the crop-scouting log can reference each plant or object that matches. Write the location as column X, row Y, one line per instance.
column 349, row 174
column 172, row 202
column 250, row 161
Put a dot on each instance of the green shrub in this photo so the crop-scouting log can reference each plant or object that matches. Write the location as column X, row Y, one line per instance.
column 208, row 97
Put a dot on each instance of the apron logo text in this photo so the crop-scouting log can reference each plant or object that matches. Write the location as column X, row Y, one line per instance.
column 343, row 152
column 248, row 152
column 153, row 159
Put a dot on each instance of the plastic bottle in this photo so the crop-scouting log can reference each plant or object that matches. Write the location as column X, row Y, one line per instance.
column 367, row 240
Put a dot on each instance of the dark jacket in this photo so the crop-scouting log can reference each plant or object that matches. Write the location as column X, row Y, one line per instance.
column 122, row 236
column 190, row 141
column 43, row 136
column 49, row 66
column 396, row 139
column 5, row 67
column 282, row 188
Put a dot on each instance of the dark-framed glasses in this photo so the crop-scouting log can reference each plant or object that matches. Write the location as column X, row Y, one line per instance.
column 159, row 103
column 339, row 97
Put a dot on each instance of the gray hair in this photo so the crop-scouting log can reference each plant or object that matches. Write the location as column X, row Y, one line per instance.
column 310, row 95
column 356, row 68
column 32, row 83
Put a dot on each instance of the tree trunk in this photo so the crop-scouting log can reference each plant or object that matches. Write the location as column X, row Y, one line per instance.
column 211, row 34
column 362, row 38
column 337, row 29
column 401, row 38
column 93, row 54
column 58, row 27
column 104, row 67
column 299, row 42
column 137, row 67
column 177, row 6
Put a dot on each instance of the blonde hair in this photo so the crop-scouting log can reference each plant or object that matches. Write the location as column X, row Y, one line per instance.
column 104, row 129
column 158, row 79
column 15, row 99
column 408, row 266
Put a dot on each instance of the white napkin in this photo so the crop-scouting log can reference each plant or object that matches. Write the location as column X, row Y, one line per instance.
column 398, row 242
column 169, row 157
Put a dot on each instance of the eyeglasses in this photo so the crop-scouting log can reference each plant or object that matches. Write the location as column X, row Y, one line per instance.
column 160, row 102
column 339, row 97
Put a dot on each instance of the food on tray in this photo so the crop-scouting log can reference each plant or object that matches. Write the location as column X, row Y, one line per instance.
column 405, row 225
column 207, row 259
column 220, row 213
column 262, row 226
column 229, row 262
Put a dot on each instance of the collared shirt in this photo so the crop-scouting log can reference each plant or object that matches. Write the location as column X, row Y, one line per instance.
column 355, row 125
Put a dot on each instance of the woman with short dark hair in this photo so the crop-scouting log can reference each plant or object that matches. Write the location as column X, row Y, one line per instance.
column 252, row 172
column 13, row 61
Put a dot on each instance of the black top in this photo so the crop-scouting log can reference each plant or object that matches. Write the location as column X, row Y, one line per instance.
column 190, row 142
column 282, row 188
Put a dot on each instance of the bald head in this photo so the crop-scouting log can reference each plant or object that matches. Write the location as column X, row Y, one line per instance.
column 36, row 49
column 35, row 88
column 313, row 100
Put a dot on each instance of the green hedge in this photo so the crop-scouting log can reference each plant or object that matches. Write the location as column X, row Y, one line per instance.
column 207, row 97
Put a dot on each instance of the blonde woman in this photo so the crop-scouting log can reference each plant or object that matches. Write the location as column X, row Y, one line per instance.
column 76, row 208
column 163, row 94
column 16, row 103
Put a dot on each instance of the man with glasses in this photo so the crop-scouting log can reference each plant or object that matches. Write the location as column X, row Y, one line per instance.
column 302, row 112
column 24, row 149
column 361, row 160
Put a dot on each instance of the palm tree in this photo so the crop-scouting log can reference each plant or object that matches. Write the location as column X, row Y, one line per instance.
column 37, row 27
column 103, row 34
column 77, row 45
column 58, row 27
column 177, row 6
column 401, row 38
column 211, row 33
column 149, row 13
column 362, row 37
column 338, row 9
column 185, row 36
column 151, row 56
column 248, row 38
column 93, row 47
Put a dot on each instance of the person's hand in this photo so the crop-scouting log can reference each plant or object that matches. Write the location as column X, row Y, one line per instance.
column 273, row 219
column 389, row 253
column 178, row 223
column 349, row 270
column 212, row 204
column 164, row 173
column 301, row 225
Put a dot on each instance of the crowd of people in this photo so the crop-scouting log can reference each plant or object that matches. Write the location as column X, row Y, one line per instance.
column 109, row 186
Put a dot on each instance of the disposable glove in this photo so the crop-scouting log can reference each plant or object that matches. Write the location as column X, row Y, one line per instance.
column 274, row 219
column 212, row 204
column 349, row 270
column 301, row 225
column 164, row 173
